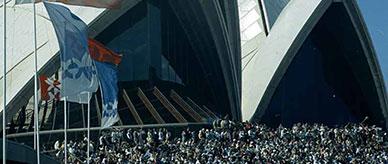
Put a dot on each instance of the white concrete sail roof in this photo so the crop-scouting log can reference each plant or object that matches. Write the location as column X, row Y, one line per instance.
column 258, row 73
column 252, row 28
column 20, row 61
column 262, row 75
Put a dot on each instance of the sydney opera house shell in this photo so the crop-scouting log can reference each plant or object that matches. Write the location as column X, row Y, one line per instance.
column 317, row 64
column 192, row 61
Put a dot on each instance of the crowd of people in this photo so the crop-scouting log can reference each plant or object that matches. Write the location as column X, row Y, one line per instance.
column 231, row 142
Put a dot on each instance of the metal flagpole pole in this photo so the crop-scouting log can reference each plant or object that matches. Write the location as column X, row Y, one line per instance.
column 4, row 76
column 34, row 129
column 88, row 154
column 65, row 127
column 36, row 122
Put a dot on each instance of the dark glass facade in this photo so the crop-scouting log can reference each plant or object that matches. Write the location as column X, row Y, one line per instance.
column 138, row 36
column 306, row 94
column 160, row 48
column 273, row 8
column 328, row 80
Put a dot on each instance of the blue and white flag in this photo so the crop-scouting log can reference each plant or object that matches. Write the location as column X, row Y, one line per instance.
column 107, row 73
column 79, row 74
column 110, row 4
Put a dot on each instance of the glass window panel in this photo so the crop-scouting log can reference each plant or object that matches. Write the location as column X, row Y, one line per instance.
column 252, row 31
column 251, row 17
column 242, row 13
column 273, row 9
column 240, row 2
column 248, row 5
column 251, row 20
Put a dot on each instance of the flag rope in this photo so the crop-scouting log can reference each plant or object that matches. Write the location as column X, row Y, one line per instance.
column 4, row 78
column 65, row 127
column 36, row 122
column 88, row 153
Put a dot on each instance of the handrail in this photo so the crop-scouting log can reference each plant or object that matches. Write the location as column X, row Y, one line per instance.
column 194, row 105
column 132, row 108
column 159, row 95
column 149, row 106
column 48, row 132
column 206, row 109
column 178, row 99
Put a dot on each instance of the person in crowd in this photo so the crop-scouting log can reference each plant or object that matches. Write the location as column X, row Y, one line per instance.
column 234, row 142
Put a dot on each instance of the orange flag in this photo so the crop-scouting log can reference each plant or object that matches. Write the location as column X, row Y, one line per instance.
column 100, row 53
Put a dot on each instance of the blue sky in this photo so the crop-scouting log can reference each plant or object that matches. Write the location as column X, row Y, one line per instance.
column 375, row 13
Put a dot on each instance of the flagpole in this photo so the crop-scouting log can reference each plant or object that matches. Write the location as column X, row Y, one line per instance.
column 4, row 76
column 88, row 153
column 36, row 88
column 65, row 127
